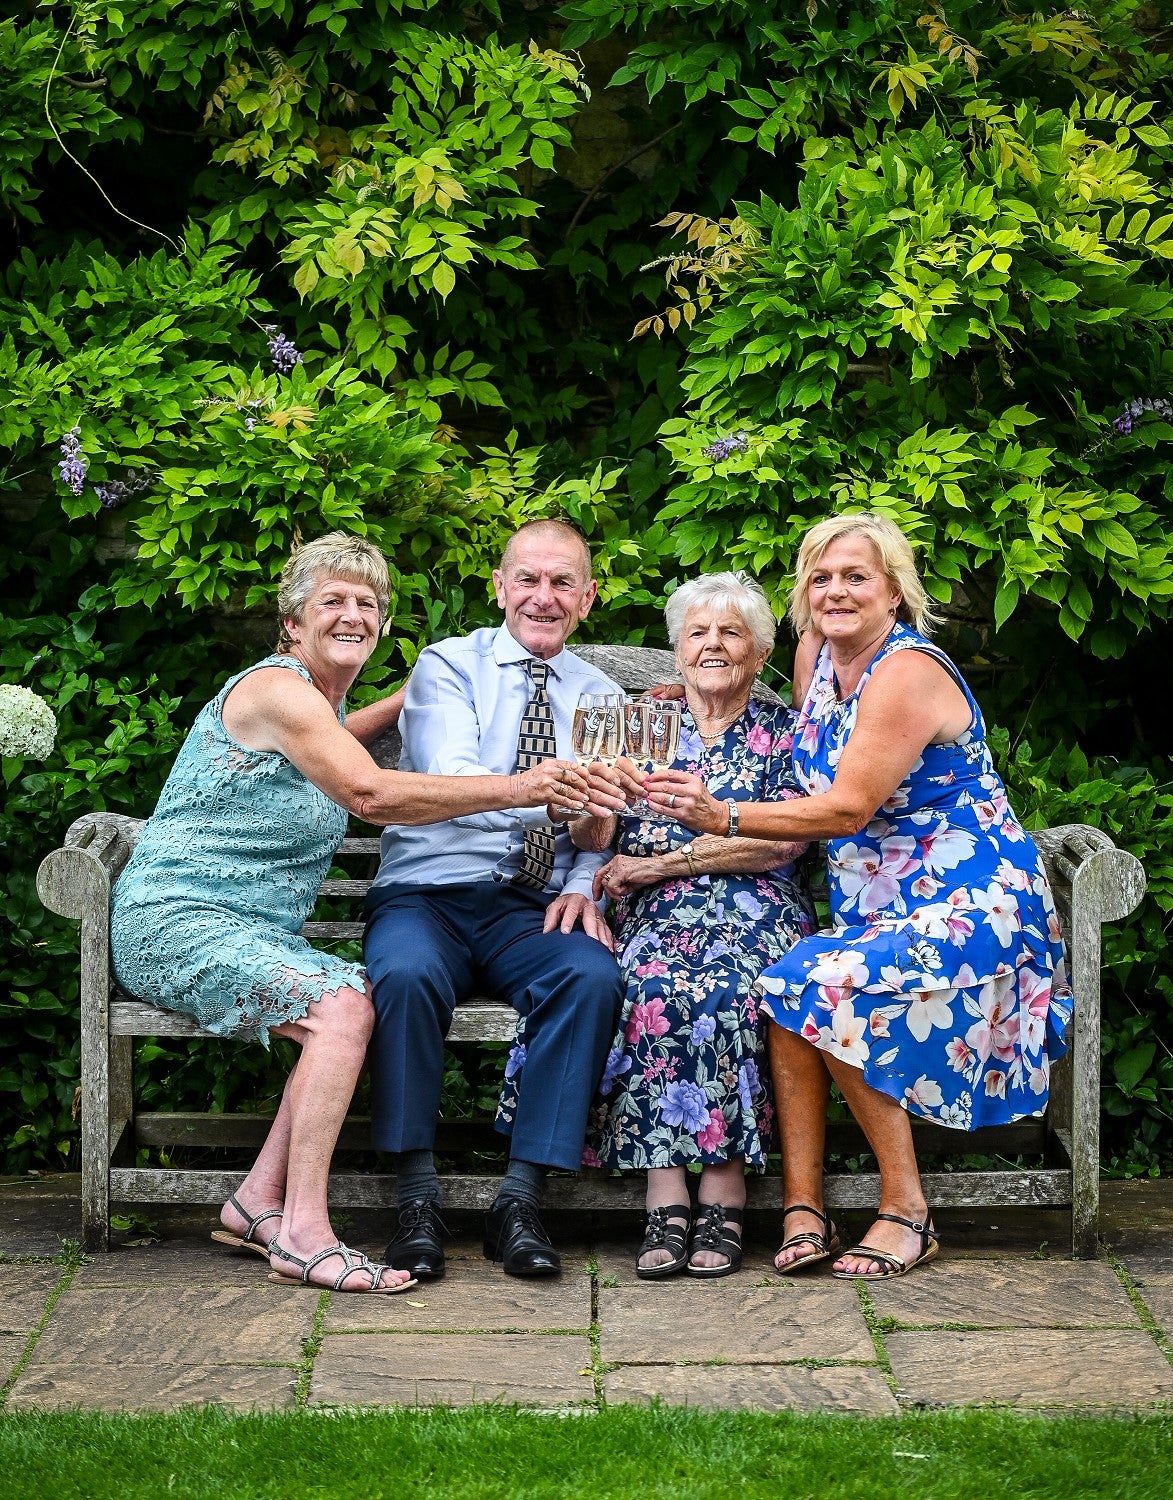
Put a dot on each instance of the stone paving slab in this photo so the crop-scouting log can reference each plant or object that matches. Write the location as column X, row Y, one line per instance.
column 844, row 1388
column 732, row 1320
column 138, row 1387
column 503, row 1303
column 1034, row 1367
column 1157, row 1296
column 24, row 1290
column 392, row 1369
column 12, row 1346
column 185, row 1326
column 173, row 1262
column 1007, row 1293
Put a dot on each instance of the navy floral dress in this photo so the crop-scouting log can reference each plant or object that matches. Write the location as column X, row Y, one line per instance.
column 685, row 1079
column 943, row 978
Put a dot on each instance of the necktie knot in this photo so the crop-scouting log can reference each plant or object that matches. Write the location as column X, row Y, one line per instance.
column 538, row 671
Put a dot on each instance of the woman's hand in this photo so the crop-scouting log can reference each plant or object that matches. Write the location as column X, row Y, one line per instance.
column 625, row 874
column 630, row 779
column 678, row 795
column 558, row 781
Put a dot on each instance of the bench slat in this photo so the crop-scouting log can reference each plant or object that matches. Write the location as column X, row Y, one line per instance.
column 594, row 1191
column 478, row 1020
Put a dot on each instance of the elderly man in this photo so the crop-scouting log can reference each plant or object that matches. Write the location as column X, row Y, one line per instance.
column 497, row 903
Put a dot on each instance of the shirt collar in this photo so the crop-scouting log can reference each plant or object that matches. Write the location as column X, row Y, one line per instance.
column 508, row 651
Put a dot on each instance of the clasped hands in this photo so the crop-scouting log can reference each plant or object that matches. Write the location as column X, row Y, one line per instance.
column 673, row 794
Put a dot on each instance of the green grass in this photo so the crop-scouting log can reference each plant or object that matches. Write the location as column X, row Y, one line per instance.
column 624, row 1451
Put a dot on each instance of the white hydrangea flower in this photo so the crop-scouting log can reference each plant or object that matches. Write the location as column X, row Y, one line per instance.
column 28, row 725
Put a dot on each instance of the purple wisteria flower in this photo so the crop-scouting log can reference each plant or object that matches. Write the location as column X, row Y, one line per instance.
column 683, row 1103
column 116, row 492
column 725, row 446
column 516, row 1060
column 73, row 465
column 282, row 351
column 1134, row 410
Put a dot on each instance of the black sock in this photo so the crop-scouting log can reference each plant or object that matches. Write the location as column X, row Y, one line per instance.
column 415, row 1177
column 524, row 1181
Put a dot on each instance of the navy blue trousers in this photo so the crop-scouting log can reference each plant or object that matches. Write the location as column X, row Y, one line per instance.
column 426, row 949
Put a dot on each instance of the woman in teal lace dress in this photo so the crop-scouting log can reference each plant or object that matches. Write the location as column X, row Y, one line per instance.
column 206, row 915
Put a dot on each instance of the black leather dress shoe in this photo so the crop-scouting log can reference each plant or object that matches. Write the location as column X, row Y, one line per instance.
column 514, row 1234
column 415, row 1245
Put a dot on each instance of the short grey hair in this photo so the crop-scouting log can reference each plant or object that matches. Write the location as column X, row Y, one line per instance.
column 335, row 555
column 719, row 592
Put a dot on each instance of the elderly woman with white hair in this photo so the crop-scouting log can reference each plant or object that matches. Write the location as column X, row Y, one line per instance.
column 696, row 920
column 206, row 915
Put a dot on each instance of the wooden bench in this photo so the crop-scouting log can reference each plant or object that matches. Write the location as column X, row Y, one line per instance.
column 1094, row 882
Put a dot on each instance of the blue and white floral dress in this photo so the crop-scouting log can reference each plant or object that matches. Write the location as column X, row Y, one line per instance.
column 943, row 978
column 685, row 1079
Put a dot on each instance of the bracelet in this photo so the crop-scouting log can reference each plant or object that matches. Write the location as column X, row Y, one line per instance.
column 686, row 850
column 731, row 831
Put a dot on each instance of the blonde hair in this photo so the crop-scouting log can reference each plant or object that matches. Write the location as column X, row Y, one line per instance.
column 723, row 591
column 896, row 560
column 335, row 555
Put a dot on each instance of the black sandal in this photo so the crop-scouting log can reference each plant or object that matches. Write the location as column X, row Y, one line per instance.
column 823, row 1246
column 661, row 1234
column 892, row 1265
column 712, row 1232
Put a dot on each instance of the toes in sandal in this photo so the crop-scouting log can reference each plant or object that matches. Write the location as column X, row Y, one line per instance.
column 245, row 1241
column 892, row 1265
column 352, row 1260
column 712, row 1231
column 823, row 1245
column 661, row 1234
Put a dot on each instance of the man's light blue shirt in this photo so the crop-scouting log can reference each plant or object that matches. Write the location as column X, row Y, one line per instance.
column 461, row 716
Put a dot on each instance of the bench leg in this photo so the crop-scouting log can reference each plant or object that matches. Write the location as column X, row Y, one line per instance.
column 95, row 1127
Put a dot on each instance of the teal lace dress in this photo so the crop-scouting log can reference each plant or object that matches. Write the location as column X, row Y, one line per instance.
column 205, row 916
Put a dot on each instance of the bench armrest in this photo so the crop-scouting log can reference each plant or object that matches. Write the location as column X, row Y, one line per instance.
column 75, row 880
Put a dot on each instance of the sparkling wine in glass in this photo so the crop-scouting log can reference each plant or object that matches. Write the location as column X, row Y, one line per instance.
column 663, row 733
column 587, row 730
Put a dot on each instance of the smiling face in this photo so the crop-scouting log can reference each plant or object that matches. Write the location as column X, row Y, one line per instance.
column 718, row 658
column 338, row 629
column 545, row 588
column 852, row 600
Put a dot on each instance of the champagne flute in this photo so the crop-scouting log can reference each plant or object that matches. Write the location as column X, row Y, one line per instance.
column 611, row 736
column 587, row 729
column 663, row 733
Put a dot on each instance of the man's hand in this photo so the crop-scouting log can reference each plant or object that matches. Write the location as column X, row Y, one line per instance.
column 566, row 912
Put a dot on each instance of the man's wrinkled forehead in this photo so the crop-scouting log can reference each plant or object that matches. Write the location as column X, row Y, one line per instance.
column 550, row 546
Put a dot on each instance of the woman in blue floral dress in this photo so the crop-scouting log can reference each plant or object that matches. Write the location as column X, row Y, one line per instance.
column 941, row 988
column 696, row 920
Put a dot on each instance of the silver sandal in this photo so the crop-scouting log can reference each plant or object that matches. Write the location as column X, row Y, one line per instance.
column 245, row 1241
column 352, row 1260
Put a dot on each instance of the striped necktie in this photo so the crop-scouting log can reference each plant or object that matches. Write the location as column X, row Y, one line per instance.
column 535, row 742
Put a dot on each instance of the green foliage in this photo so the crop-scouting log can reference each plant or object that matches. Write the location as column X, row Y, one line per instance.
column 919, row 255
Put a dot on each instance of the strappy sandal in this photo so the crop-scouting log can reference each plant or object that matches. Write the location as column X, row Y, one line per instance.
column 711, row 1233
column 245, row 1241
column 892, row 1265
column 352, row 1260
column 661, row 1234
column 824, row 1244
